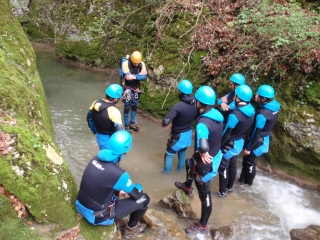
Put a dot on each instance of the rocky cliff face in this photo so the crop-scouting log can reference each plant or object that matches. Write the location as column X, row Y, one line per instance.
column 98, row 33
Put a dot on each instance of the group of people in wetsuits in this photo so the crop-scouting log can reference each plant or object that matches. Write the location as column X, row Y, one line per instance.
column 221, row 134
column 107, row 193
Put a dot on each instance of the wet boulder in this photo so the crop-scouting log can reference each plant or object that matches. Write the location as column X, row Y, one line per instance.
column 224, row 232
column 311, row 232
column 179, row 203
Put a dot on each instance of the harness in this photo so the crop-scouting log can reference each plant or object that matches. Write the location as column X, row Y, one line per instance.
column 131, row 95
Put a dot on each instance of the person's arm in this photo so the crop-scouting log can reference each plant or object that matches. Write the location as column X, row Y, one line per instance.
column 202, row 142
column 135, row 191
column 142, row 75
column 231, row 123
column 259, row 124
column 90, row 120
column 115, row 116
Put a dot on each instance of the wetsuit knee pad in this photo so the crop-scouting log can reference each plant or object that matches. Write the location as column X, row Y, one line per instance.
column 189, row 163
column 224, row 163
column 144, row 199
column 126, row 108
column 251, row 160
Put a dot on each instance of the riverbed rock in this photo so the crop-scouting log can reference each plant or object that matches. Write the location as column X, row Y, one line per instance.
column 179, row 203
column 311, row 232
column 224, row 232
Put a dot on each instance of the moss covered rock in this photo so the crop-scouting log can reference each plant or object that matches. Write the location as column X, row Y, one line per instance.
column 32, row 168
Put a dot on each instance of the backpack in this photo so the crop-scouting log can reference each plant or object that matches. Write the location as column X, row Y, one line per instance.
column 120, row 67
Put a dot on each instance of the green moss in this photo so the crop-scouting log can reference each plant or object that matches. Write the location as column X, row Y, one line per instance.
column 11, row 226
column 27, row 172
column 89, row 231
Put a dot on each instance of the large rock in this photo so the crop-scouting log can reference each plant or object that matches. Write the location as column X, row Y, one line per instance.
column 311, row 232
column 32, row 167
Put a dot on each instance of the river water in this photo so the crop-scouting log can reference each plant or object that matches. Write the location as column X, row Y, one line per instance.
column 267, row 210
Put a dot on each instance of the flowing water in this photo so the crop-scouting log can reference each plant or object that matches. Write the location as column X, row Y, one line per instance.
column 267, row 210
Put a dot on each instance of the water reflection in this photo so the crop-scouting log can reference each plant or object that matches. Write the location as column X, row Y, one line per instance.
column 268, row 210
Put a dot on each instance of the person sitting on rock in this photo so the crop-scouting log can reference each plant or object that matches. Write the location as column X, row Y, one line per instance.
column 103, row 182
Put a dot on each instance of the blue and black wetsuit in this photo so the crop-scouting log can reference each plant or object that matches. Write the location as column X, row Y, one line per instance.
column 258, row 143
column 97, row 199
column 239, row 121
column 104, row 119
column 180, row 116
column 207, row 139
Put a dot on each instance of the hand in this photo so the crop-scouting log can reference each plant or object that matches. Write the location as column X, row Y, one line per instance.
column 130, row 77
column 123, row 194
column 167, row 127
column 246, row 152
column 206, row 157
column 143, row 72
column 225, row 106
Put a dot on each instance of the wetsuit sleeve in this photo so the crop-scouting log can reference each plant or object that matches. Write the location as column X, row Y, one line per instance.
column 231, row 123
column 114, row 115
column 171, row 115
column 202, row 133
column 260, row 122
column 125, row 184
column 144, row 76
column 220, row 100
column 90, row 119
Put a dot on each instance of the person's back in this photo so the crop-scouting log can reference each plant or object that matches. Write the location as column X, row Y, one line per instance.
column 180, row 119
column 103, row 117
column 204, row 163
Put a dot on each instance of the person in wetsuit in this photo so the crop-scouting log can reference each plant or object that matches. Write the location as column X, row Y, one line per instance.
column 258, row 142
column 204, row 163
column 103, row 182
column 179, row 119
column 133, row 72
column 103, row 117
column 227, row 103
column 239, row 121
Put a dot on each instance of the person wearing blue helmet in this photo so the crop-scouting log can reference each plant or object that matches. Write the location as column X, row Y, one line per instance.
column 239, row 121
column 133, row 71
column 258, row 142
column 204, row 163
column 107, row 193
column 179, row 120
column 103, row 117
column 227, row 103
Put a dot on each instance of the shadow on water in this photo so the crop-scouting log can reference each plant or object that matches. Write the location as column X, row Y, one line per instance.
column 267, row 210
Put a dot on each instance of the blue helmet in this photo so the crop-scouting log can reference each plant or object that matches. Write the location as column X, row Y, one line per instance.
column 244, row 92
column 266, row 91
column 114, row 91
column 238, row 78
column 206, row 95
column 185, row 86
column 120, row 142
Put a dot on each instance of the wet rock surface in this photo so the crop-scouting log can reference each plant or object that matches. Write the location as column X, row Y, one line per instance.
column 179, row 203
column 311, row 232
